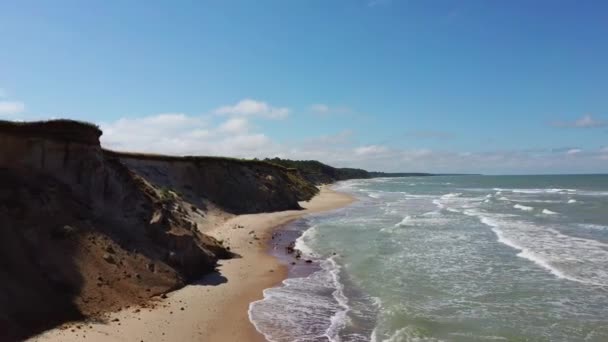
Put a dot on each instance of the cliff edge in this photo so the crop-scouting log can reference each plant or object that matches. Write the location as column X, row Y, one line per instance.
column 85, row 231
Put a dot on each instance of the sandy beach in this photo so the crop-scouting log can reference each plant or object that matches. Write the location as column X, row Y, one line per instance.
column 216, row 307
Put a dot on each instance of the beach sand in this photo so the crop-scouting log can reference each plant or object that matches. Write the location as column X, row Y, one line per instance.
column 215, row 308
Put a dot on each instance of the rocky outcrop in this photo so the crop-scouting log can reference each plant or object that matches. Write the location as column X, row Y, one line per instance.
column 84, row 230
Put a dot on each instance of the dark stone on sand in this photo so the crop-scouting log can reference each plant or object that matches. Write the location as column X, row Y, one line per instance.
column 109, row 259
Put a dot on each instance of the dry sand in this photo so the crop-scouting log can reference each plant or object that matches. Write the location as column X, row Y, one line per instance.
column 216, row 308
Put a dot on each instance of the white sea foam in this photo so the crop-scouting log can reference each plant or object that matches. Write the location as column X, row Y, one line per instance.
column 593, row 226
column 438, row 204
column 540, row 191
column 570, row 201
column 338, row 320
column 407, row 334
column 529, row 200
column 567, row 257
column 406, row 220
column 523, row 207
column 304, row 241
column 451, row 195
column 299, row 309
column 593, row 193
column 548, row 212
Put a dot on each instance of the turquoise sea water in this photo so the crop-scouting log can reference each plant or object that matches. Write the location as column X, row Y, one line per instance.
column 461, row 258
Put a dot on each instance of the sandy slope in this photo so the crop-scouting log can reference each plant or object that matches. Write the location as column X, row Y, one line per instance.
column 214, row 309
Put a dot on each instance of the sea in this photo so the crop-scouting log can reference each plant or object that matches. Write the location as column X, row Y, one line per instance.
column 448, row 258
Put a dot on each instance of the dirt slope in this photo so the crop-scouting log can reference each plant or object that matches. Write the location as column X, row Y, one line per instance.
column 85, row 231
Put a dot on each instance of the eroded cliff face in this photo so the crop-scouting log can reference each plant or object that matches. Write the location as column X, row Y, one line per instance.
column 84, row 231
column 239, row 187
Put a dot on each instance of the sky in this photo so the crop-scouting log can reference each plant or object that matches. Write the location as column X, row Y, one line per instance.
column 495, row 87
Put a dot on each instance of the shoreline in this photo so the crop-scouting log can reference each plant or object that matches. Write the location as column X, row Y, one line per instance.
column 216, row 308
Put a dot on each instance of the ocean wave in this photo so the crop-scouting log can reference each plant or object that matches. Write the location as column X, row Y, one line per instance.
column 566, row 257
column 548, row 212
column 570, row 201
column 438, row 204
column 303, row 309
column 523, row 207
column 409, row 195
column 339, row 319
column 304, row 241
column 405, row 334
column 593, row 226
column 537, row 190
column 592, row 193
column 529, row 200
column 406, row 220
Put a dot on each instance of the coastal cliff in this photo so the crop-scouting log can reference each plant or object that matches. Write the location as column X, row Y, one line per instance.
column 85, row 231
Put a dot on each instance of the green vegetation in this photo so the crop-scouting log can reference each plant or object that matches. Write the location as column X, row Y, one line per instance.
column 166, row 194
column 60, row 129
column 47, row 123
column 399, row 174
column 194, row 159
column 318, row 173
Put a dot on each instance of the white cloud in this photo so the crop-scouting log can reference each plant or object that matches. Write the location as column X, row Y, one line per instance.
column 11, row 107
column 250, row 107
column 573, row 151
column 319, row 108
column 586, row 121
column 235, row 125
column 181, row 134
column 235, row 136
column 324, row 109
column 370, row 150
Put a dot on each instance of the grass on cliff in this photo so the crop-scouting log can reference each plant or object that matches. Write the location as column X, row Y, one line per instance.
column 48, row 124
column 58, row 129
column 195, row 159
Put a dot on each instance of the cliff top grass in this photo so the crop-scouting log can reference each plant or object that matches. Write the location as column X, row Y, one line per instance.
column 59, row 129
column 196, row 159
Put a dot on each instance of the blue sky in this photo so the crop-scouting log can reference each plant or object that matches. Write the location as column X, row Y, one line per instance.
column 439, row 86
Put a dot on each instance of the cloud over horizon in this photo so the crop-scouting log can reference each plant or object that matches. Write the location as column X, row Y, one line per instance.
column 9, row 108
column 324, row 109
column 250, row 107
column 236, row 136
column 586, row 121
